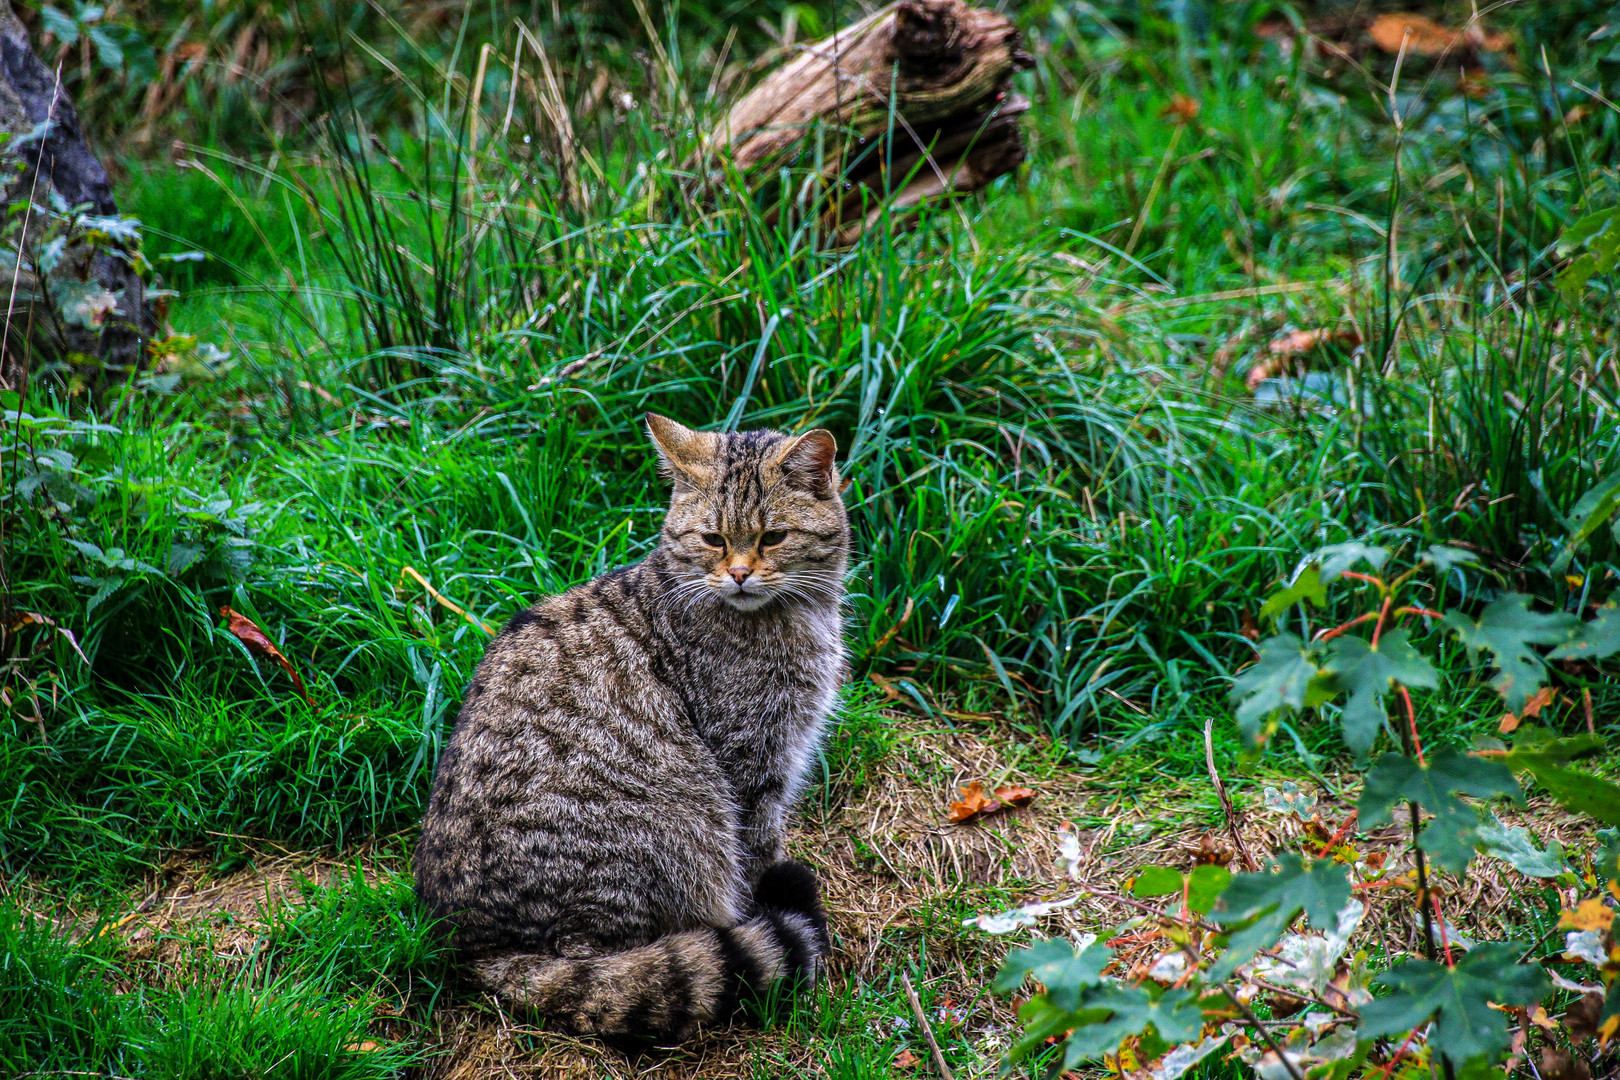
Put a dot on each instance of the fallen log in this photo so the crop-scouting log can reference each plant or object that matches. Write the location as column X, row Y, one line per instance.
column 909, row 105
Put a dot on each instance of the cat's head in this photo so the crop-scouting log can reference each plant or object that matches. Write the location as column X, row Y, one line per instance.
column 756, row 516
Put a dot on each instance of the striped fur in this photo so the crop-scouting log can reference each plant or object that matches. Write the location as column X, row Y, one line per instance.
column 605, row 829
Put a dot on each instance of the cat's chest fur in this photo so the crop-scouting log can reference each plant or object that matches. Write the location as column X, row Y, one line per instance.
column 760, row 691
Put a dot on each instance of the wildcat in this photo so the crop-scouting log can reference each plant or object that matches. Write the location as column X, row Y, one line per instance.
column 606, row 823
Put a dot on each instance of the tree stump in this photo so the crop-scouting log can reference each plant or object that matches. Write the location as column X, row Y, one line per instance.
column 84, row 304
column 937, row 74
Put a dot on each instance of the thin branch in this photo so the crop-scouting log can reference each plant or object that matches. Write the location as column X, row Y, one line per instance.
column 1226, row 803
column 927, row 1030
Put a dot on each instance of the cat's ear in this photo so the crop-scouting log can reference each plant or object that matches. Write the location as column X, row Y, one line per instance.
column 683, row 454
column 807, row 461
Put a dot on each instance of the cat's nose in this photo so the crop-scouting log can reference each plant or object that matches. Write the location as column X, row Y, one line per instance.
column 739, row 574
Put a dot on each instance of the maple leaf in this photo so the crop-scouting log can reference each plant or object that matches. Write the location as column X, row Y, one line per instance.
column 1446, row 559
column 1282, row 677
column 1542, row 754
column 1111, row 1013
column 1056, row 966
column 248, row 633
column 1451, row 837
column 1260, row 906
column 1459, row 998
column 1515, row 847
column 1507, row 628
column 974, row 803
column 1016, row 796
column 1337, row 558
column 1307, row 587
column 1593, row 640
column 1367, row 672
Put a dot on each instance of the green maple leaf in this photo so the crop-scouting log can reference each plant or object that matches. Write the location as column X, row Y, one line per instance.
column 1261, row 905
column 1307, row 587
column 1517, row 848
column 1593, row 640
column 1337, row 558
column 1367, row 672
column 1508, row 629
column 1121, row 1011
column 1542, row 754
column 1465, row 1025
column 1056, row 966
column 1450, row 838
column 1281, row 678
column 1446, row 559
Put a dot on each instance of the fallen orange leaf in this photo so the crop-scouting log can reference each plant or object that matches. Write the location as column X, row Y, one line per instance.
column 1592, row 914
column 248, row 633
column 905, row 1059
column 1182, row 108
column 1425, row 37
column 365, row 1047
column 1540, row 700
column 972, row 804
column 1297, row 343
column 885, row 684
column 1016, row 796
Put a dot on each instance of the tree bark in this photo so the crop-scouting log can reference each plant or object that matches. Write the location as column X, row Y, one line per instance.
column 911, row 104
column 46, row 138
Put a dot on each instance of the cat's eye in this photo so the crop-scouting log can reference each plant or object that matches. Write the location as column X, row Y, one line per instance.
column 714, row 540
column 772, row 538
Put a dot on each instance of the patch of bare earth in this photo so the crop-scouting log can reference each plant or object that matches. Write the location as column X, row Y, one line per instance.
column 899, row 878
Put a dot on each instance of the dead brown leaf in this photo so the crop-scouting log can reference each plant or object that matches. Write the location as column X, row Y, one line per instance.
column 1425, row 37
column 1016, row 796
column 364, row 1047
column 1211, row 852
column 1249, row 628
column 1539, row 701
column 1581, row 1018
column 1559, row 1064
column 973, row 804
column 248, row 633
column 905, row 1059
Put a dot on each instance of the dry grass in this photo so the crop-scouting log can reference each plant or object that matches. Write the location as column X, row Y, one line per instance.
column 899, row 878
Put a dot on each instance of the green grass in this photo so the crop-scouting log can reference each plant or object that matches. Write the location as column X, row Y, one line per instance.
column 1068, row 506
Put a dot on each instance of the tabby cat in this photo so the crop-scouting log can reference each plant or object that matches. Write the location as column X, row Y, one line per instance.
column 606, row 824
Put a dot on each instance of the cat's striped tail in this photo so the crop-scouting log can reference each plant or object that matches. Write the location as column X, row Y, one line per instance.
column 662, row 992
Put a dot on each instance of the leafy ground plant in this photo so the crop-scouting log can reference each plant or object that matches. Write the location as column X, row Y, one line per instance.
column 1296, row 1004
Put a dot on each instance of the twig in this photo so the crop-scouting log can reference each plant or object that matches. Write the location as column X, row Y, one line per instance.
column 1226, row 803
column 928, row 1032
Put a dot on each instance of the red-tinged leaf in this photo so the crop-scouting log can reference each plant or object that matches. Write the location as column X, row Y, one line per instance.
column 1182, row 109
column 1016, row 796
column 905, row 1059
column 248, row 633
column 973, row 804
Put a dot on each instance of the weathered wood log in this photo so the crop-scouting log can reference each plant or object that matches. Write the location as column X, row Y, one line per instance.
column 937, row 74
column 44, row 135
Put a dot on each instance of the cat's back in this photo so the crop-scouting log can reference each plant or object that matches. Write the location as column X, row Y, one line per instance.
column 566, row 728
